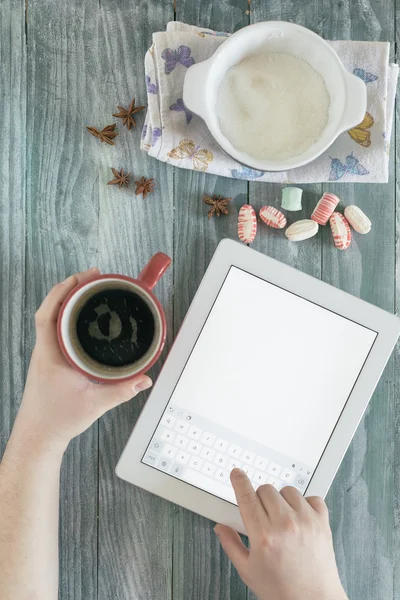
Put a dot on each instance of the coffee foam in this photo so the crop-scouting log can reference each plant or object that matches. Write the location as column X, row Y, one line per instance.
column 92, row 365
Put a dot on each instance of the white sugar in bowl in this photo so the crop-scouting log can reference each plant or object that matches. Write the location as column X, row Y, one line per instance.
column 347, row 93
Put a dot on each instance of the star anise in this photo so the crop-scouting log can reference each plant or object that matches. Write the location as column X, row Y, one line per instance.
column 144, row 186
column 121, row 178
column 127, row 114
column 219, row 205
column 105, row 135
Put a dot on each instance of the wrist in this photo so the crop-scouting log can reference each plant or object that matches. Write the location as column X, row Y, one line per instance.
column 27, row 440
column 333, row 593
column 341, row 595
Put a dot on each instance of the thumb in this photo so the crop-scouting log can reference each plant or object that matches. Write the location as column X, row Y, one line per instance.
column 233, row 546
column 113, row 394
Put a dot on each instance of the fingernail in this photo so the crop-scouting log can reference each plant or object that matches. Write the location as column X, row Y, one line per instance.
column 216, row 530
column 145, row 384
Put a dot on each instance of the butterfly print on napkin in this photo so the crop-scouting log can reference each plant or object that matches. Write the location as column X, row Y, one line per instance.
column 360, row 134
column 152, row 88
column 351, row 165
column 187, row 149
column 246, row 173
column 180, row 107
column 155, row 135
column 174, row 57
column 366, row 76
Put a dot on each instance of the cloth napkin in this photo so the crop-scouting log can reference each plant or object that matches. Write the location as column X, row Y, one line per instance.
column 175, row 135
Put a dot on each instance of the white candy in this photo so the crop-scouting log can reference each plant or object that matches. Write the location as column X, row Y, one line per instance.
column 357, row 219
column 301, row 230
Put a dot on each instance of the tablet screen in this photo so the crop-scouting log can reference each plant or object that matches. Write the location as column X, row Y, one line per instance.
column 262, row 389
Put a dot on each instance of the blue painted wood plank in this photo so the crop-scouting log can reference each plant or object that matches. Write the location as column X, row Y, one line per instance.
column 135, row 527
column 62, row 225
column 361, row 498
column 12, row 211
column 201, row 569
column 84, row 59
column 396, row 368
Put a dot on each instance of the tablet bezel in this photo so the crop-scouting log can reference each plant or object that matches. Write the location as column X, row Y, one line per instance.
column 228, row 254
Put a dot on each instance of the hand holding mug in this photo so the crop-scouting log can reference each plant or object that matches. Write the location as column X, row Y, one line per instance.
column 112, row 327
column 60, row 402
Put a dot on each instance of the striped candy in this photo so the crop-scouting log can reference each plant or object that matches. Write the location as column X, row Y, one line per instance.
column 272, row 217
column 324, row 209
column 247, row 224
column 340, row 230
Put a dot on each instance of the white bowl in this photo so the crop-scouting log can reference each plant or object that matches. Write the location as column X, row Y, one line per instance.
column 348, row 95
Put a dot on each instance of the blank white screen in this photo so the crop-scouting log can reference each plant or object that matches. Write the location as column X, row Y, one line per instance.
column 273, row 367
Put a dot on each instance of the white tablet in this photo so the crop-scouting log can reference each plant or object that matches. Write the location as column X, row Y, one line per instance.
column 271, row 371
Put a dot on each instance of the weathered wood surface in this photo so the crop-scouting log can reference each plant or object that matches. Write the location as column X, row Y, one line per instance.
column 12, row 210
column 201, row 570
column 361, row 499
column 69, row 68
column 395, row 424
column 61, row 237
column 135, row 527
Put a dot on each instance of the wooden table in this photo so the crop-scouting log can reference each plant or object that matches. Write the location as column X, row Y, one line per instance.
column 65, row 65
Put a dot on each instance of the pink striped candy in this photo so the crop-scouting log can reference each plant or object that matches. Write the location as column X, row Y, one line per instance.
column 324, row 209
column 247, row 224
column 272, row 217
column 340, row 230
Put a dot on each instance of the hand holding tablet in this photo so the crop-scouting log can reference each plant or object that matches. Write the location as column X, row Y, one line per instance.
column 271, row 372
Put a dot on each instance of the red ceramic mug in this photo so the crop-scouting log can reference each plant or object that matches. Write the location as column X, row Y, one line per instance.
column 81, row 294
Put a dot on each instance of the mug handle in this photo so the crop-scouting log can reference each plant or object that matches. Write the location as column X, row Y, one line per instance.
column 154, row 270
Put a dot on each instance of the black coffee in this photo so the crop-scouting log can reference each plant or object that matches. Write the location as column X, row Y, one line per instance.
column 115, row 327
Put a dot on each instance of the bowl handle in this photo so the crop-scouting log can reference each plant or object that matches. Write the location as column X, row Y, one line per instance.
column 356, row 101
column 194, row 87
